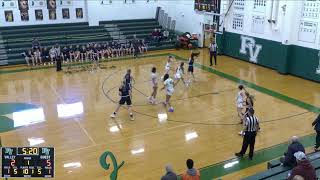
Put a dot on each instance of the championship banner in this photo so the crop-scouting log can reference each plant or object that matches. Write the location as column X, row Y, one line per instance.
column 24, row 15
column 51, row 4
column 24, row 7
column 65, row 13
column 9, row 16
column 52, row 14
column 39, row 14
column 79, row 13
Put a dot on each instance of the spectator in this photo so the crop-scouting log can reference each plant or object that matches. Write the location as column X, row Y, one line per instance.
column 170, row 175
column 165, row 34
column 191, row 173
column 45, row 55
column 52, row 54
column 160, row 35
column 28, row 56
column 295, row 146
column 303, row 168
column 35, row 44
column 316, row 124
column 154, row 34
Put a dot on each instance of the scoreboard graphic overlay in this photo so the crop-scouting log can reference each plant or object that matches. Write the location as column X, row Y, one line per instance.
column 207, row 5
column 27, row 162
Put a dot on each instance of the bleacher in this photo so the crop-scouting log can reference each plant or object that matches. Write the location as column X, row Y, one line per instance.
column 275, row 171
column 126, row 29
column 17, row 39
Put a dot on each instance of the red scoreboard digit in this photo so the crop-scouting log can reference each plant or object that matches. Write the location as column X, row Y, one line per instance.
column 27, row 162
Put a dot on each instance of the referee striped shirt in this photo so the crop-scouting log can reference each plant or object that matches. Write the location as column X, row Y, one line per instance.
column 252, row 124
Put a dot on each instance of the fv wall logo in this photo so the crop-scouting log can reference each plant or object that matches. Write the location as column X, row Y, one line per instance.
column 248, row 43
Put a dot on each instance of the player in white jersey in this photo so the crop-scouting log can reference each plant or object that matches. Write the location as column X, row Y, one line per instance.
column 179, row 73
column 154, row 84
column 169, row 86
column 168, row 65
column 240, row 101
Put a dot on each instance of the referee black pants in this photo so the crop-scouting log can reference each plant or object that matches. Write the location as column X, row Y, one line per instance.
column 249, row 139
column 214, row 55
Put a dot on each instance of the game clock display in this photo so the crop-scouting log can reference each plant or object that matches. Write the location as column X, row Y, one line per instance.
column 27, row 162
column 207, row 5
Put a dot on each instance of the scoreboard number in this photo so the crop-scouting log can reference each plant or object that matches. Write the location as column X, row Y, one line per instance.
column 27, row 162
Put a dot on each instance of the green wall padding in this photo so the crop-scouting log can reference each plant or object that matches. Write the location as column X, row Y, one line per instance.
column 286, row 59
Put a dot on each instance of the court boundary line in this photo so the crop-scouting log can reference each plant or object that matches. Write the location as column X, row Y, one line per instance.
column 256, row 87
column 214, row 168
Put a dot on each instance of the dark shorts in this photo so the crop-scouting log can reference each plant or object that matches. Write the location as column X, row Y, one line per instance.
column 126, row 100
column 190, row 69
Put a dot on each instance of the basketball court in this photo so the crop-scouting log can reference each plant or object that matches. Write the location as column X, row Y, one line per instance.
column 71, row 112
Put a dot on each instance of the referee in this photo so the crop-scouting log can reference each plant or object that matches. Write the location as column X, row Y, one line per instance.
column 250, row 131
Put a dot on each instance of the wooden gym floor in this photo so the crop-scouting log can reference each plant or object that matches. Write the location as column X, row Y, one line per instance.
column 71, row 113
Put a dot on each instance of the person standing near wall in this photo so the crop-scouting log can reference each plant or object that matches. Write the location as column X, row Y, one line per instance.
column 213, row 52
column 316, row 124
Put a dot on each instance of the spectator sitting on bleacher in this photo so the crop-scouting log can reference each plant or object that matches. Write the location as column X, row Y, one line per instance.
column 52, row 54
column 45, row 55
column 160, row 35
column 191, row 173
column 303, row 168
column 154, row 34
column 165, row 34
column 295, row 146
column 28, row 56
column 170, row 175
column 35, row 44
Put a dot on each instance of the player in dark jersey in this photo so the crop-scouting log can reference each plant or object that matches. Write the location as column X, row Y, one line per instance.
column 191, row 66
column 125, row 98
column 128, row 78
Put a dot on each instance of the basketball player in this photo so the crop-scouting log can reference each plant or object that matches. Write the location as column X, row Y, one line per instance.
column 240, row 100
column 154, row 81
column 248, row 102
column 179, row 74
column 191, row 66
column 168, row 65
column 126, row 96
column 169, row 86
column 128, row 79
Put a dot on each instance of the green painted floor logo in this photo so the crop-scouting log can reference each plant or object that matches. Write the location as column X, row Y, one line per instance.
column 105, row 165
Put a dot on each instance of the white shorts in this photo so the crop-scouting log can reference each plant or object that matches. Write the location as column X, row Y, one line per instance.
column 167, row 70
column 169, row 92
column 239, row 105
column 177, row 76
